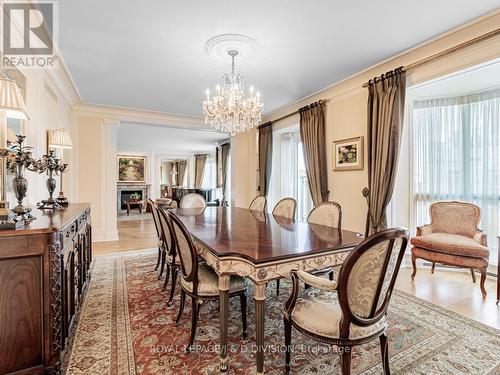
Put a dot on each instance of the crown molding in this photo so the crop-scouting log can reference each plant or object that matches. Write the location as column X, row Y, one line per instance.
column 142, row 116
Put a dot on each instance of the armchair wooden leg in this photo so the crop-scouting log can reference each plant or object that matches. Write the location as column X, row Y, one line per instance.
column 163, row 259
column 473, row 274
column 175, row 270
column 288, row 343
column 433, row 268
column 414, row 264
column 243, row 304
column 384, row 351
column 195, row 313
column 278, row 287
column 345, row 358
column 483, row 279
column 167, row 276
column 181, row 307
column 158, row 259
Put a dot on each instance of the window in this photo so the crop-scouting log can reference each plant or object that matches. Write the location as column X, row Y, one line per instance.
column 289, row 177
column 456, row 156
column 210, row 173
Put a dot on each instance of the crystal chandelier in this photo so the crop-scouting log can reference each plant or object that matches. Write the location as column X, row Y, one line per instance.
column 231, row 110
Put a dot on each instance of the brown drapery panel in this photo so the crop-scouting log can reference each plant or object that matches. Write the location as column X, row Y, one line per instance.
column 224, row 149
column 265, row 157
column 199, row 168
column 386, row 101
column 312, row 134
column 181, row 171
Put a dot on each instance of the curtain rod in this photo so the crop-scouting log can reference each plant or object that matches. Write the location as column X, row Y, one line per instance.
column 449, row 51
column 321, row 101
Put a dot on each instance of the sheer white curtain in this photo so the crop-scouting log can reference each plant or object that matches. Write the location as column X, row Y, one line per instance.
column 456, row 155
column 293, row 175
column 289, row 172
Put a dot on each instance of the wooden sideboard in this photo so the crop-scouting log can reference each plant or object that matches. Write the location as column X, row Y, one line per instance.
column 44, row 270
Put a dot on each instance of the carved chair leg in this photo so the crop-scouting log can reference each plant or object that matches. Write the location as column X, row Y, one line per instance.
column 473, row 274
column 278, row 287
column 167, row 276
column 181, row 307
column 345, row 359
column 243, row 304
column 414, row 264
column 175, row 270
column 163, row 259
column 158, row 259
column 195, row 313
column 483, row 279
column 288, row 342
column 433, row 268
column 384, row 351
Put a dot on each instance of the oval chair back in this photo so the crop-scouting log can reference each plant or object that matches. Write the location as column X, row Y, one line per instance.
column 285, row 208
column 152, row 206
column 328, row 214
column 193, row 200
column 186, row 251
column 367, row 277
column 258, row 204
column 166, row 231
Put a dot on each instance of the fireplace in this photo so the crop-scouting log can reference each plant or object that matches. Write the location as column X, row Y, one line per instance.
column 125, row 195
column 125, row 190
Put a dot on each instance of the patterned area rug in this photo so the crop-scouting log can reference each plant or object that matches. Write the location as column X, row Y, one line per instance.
column 125, row 327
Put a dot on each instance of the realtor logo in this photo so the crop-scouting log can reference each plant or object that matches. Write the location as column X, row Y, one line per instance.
column 28, row 34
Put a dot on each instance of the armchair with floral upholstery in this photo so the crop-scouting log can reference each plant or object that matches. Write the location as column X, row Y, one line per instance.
column 453, row 238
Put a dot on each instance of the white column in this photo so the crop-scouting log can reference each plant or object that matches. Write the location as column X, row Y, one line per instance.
column 108, row 179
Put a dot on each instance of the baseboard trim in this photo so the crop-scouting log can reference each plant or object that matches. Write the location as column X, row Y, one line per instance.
column 109, row 236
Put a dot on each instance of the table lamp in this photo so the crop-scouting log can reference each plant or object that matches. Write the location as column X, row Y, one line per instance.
column 12, row 103
column 60, row 139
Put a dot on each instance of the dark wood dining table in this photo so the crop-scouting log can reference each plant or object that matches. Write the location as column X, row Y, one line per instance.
column 260, row 247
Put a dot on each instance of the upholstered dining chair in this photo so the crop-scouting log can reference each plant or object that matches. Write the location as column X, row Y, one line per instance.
column 170, row 258
column 193, row 200
column 285, row 208
column 152, row 208
column 355, row 306
column 452, row 238
column 200, row 282
column 328, row 214
column 258, row 204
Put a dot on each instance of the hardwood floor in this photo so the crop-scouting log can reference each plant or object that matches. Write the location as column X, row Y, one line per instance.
column 451, row 289
column 133, row 235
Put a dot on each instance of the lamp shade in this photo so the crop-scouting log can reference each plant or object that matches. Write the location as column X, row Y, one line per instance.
column 11, row 99
column 59, row 138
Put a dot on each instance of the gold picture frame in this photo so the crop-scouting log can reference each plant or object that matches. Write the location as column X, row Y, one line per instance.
column 131, row 169
column 348, row 154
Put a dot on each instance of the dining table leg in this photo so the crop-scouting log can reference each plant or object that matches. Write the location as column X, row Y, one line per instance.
column 260, row 299
column 223, row 317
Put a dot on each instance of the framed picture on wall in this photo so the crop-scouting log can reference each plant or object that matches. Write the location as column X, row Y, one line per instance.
column 131, row 169
column 348, row 154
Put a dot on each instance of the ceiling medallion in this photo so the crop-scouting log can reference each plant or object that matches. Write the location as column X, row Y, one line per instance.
column 231, row 110
column 219, row 46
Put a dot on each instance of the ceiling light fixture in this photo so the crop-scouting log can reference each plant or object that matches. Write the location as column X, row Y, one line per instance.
column 231, row 110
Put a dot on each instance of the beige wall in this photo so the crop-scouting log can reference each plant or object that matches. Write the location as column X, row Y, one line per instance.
column 346, row 116
column 48, row 107
column 96, row 152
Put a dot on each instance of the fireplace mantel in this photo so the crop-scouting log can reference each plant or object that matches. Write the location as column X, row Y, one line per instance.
column 144, row 188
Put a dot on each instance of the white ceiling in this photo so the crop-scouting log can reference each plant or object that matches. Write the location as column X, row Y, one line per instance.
column 150, row 54
column 166, row 141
